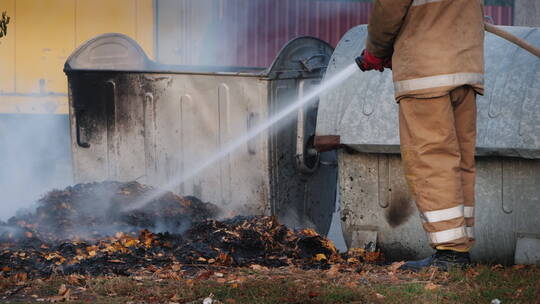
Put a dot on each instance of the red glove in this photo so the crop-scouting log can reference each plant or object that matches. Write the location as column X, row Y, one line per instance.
column 368, row 62
column 387, row 64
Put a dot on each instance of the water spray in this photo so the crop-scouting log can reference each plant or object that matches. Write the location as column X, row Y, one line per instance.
column 326, row 85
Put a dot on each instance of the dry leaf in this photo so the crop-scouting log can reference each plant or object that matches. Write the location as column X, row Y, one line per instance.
column 396, row 265
column 472, row 272
column 205, row 275
column 320, row 257
column 379, row 296
column 75, row 279
column 333, row 271
column 61, row 298
column 431, row 286
column 258, row 267
column 55, row 299
column 353, row 261
column 131, row 243
column 21, row 277
column 62, row 290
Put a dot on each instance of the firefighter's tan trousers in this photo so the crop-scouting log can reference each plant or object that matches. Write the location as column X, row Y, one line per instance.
column 438, row 137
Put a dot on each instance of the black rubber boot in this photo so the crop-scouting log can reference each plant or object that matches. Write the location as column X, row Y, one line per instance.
column 442, row 259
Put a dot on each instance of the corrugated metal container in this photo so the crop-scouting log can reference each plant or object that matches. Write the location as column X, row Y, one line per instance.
column 134, row 119
column 363, row 113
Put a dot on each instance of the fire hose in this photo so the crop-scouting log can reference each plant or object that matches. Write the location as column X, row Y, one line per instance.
column 512, row 38
column 382, row 64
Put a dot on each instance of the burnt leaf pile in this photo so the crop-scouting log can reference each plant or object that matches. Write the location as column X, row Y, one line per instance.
column 92, row 210
column 98, row 229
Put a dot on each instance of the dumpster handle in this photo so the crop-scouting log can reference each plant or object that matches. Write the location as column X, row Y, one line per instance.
column 252, row 122
column 81, row 144
column 305, row 62
column 506, row 211
column 304, row 148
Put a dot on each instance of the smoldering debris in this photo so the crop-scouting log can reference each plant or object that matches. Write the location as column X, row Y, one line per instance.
column 94, row 210
column 84, row 229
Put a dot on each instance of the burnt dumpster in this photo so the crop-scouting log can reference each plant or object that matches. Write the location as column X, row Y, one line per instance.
column 376, row 207
column 135, row 119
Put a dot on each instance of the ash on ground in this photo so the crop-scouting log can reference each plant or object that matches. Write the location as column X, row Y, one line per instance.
column 94, row 229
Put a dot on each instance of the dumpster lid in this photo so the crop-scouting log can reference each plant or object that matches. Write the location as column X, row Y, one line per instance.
column 111, row 51
column 363, row 115
column 301, row 57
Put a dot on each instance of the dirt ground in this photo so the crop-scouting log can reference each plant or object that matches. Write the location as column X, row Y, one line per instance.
column 258, row 284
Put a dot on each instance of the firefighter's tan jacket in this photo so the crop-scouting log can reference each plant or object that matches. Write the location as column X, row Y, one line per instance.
column 437, row 45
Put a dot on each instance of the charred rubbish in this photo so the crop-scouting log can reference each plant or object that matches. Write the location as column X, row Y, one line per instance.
column 85, row 229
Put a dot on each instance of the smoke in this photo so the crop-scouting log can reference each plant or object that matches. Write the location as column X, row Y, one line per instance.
column 34, row 158
column 35, row 150
column 94, row 210
column 246, row 33
column 232, row 146
column 294, row 221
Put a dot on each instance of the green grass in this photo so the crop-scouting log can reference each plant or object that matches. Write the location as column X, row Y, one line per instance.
column 479, row 285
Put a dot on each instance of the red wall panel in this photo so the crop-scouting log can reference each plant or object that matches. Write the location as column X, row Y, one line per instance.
column 251, row 32
column 273, row 23
column 501, row 15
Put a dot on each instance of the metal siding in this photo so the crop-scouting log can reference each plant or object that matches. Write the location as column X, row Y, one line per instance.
column 251, row 33
column 327, row 20
column 502, row 15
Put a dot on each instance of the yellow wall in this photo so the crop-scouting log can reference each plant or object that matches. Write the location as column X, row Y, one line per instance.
column 43, row 33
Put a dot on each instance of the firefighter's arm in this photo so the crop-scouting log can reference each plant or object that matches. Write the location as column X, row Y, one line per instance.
column 385, row 22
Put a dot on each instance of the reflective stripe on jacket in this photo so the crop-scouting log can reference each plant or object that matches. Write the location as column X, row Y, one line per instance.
column 437, row 45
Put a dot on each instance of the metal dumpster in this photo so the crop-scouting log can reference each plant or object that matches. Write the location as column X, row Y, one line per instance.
column 362, row 115
column 135, row 119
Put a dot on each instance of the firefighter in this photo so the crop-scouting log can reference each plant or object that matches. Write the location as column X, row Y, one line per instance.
column 435, row 51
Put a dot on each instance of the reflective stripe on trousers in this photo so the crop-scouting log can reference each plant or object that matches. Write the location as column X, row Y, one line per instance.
column 422, row 2
column 469, row 212
column 446, row 236
column 447, row 80
column 443, row 215
column 447, row 214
